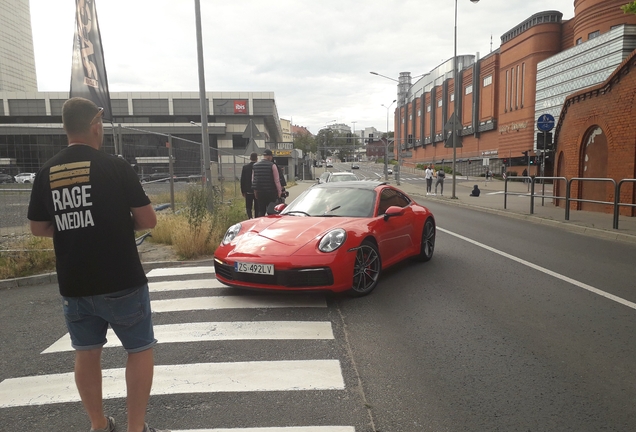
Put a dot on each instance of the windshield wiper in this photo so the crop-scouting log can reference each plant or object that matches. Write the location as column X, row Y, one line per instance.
column 329, row 211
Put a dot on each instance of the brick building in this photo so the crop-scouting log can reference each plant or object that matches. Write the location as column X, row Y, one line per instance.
column 597, row 139
column 540, row 63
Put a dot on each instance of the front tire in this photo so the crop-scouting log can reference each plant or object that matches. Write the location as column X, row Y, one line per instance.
column 427, row 246
column 366, row 269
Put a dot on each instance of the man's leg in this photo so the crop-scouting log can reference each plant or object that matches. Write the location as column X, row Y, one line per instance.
column 139, row 372
column 88, row 378
column 249, row 201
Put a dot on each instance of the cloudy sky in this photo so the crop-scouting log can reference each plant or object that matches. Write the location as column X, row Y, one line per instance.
column 314, row 55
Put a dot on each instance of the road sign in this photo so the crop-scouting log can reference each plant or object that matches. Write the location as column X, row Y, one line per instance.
column 452, row 124
column 545, row 123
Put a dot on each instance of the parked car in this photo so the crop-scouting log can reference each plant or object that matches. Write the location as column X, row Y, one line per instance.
column 25, row 178
column 6, row 178
column 355, row 166
column 336, row 237
column 336, row 177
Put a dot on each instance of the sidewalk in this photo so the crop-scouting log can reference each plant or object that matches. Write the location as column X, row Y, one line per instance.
column 491, row 200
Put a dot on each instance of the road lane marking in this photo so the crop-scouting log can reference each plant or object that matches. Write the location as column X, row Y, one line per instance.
column 277, row 429
column 221, row 331
column 546, row 271
column 180, row 271
column 185, row 378
column 185, row 285
column 237, row 302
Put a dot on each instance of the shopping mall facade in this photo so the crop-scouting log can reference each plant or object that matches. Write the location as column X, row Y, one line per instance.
column 545, row 65
column 143, row 123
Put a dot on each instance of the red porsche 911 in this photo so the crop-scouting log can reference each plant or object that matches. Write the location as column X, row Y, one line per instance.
column 334, row 236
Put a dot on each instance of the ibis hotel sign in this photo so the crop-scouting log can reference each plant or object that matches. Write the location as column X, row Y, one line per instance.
column 240, row 107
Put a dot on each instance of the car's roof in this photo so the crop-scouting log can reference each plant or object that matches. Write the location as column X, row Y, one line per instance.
column 367, row 185
column 343, row 173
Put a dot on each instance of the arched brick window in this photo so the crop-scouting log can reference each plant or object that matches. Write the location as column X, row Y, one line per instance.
column 594, row 165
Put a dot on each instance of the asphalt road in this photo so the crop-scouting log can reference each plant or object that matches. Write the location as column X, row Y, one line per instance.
column 511, row 327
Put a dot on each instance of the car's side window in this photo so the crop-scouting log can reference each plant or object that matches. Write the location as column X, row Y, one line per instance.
column 391, row 197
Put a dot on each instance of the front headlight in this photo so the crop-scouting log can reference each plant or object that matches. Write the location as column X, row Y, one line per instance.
column 332, row 240
column 231, row 233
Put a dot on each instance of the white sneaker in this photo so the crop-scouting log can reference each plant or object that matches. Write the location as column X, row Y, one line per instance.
column 434, row 194
column 427, row 193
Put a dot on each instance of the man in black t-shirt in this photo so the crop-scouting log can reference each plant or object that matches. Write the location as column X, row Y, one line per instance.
column 91, row 204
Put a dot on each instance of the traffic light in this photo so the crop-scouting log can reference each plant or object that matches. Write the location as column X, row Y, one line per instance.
column 524, row 159
column 349, row 138
column 532, row 161
column 505, row 161
column 370, row 137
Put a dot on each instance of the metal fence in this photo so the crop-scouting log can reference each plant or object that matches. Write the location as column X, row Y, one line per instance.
column 533, row 181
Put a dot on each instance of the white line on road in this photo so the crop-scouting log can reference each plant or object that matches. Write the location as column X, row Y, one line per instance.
column 221, row 331
column 180, row 271
column 179, row 379
column 278, row 429
column 545, row 270
column 185, row 285
column 237, row 302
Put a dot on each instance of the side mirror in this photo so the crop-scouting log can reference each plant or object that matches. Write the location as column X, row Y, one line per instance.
column 393, row 211
column 280, row 207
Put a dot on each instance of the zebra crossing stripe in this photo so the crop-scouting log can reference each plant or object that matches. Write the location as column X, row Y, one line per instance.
column 185, row 285
column 278, row 429
column 237, row 302
column 254, row 376
column 221, row 331
column 180, row 271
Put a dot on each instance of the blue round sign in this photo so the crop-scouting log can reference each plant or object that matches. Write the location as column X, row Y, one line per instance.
column 545, row 123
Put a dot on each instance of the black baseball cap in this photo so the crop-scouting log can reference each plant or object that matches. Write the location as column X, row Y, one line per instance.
column 267, row 152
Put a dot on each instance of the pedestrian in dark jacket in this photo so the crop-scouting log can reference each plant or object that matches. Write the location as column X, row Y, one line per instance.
column 246, row 185
column 265, row 182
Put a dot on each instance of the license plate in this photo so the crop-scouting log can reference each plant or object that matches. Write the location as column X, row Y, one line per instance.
column 267, row 269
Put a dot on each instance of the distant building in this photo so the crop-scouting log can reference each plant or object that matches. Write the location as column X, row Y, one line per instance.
column 543, row 66
column 17, row 60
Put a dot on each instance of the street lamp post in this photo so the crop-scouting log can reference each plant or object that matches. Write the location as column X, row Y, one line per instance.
column 386, row 143
column 455, row 103
column 205, row 141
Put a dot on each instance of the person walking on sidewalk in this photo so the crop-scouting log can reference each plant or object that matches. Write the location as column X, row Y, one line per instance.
column 91, row 203
column 440, row 181
column 246, row 185
column 266, row 182
column 428, row 175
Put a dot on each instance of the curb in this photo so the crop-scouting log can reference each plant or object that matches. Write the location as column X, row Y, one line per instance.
column 51, row 278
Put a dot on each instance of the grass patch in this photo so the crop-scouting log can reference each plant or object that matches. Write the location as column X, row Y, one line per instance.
column 193, row 231
column 27, row 256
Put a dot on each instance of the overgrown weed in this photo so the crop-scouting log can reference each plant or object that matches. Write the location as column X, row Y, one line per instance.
column 27, row 256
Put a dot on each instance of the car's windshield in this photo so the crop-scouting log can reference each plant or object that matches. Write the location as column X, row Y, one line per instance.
column 346, row 177
column 331, row 202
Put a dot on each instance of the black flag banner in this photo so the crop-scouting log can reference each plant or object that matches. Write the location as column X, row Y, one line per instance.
column 88, row 75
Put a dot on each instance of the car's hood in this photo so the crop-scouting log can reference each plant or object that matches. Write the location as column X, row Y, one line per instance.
column 284, row 235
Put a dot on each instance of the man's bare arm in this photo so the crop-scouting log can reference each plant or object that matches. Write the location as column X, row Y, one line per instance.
column 144, row 217
column 41, row 228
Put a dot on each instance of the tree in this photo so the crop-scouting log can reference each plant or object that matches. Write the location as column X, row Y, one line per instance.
column 629, row 8
column 306, row 143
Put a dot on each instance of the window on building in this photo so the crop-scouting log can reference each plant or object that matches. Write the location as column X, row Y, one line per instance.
column 593, row 35
column 452, row 97
column 523, row 82
column 517, row 89
column 419, row 112
column 439, row 103
column 579, row 41
column 239, row 143
column 488, row 81
column 506, row 92
column 469, row 89
column 428, row 108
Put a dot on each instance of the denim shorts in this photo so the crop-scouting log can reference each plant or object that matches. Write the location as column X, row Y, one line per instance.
column 127, row 312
